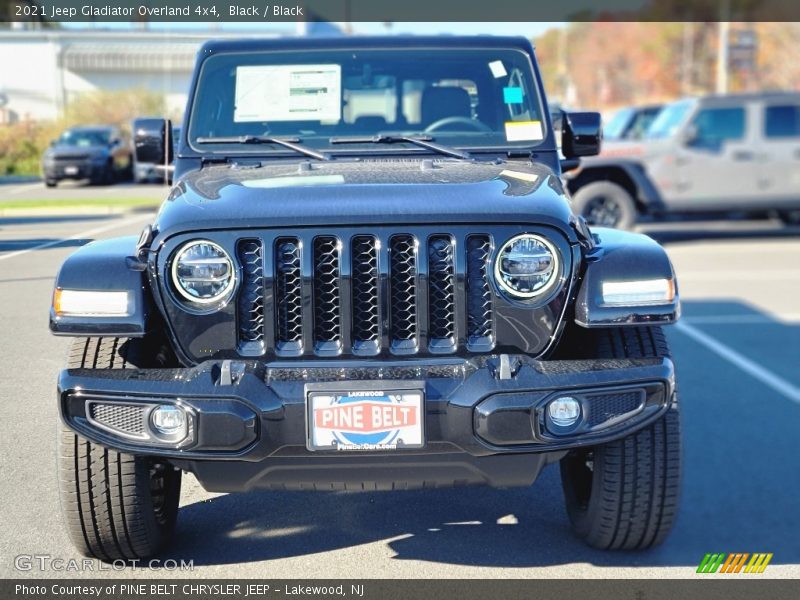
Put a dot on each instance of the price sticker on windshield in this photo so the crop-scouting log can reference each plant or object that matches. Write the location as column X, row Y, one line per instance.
column 524, row 131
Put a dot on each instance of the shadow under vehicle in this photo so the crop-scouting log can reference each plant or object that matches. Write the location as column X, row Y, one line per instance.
column 716, row 154
column 367, row 276
column 99, row 153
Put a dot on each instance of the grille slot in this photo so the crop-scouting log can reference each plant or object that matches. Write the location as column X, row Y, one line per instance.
column 479, row 293
column 327, row 295
column 604, row 407
column 288, row 295
column 403, row 291
column 124, row 419
column 441, row 291
column 365, row 296
column 251, row 296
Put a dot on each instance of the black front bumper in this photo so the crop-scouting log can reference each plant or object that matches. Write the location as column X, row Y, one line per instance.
column 76, row 169
column 484, row 419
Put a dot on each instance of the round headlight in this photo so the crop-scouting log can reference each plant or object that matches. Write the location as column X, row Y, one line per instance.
column 526, row 266
column 203, row 272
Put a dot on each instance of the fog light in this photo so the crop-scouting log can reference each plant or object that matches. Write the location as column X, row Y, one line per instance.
column 169, row 421
column 564, row 412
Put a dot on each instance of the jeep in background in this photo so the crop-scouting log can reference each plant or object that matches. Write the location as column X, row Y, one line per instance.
column 97, row 153
column 717, row 154
column 367, row 276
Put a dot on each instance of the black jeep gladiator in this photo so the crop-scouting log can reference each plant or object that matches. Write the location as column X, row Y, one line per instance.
column 367, row 276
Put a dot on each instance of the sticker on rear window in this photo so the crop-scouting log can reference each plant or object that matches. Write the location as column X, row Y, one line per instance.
column 288, row 93
column 497, row 69
column 512, row 95
column 524, row 131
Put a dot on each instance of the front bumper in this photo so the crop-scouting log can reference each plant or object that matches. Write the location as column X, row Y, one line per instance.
column 77, row 169
column 484, row 419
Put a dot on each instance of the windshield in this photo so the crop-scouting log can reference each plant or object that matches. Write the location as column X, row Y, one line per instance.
column 470, row 98
column 84, row 137
column 669, row 119
column 618, row 125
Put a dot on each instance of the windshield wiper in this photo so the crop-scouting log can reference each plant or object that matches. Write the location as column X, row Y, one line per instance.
column 290, row 143
column 423, row 141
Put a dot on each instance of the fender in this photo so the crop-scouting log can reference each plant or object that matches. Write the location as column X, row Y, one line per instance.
column 105, row 266
column 615, row 169
column 622, row 256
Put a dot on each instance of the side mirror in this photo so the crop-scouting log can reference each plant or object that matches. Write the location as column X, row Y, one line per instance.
column 582, row 134
column 152, row 141
column 689, row 134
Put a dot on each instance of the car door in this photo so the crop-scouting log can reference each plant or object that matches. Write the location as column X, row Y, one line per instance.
column 715, row 160
column 779, row 172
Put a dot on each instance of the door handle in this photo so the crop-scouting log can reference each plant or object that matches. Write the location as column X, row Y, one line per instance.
column 743, row 155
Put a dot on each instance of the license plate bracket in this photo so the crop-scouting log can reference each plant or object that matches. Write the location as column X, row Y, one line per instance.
column 365, row 416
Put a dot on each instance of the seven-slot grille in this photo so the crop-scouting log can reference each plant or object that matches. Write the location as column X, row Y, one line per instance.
column 365, row 294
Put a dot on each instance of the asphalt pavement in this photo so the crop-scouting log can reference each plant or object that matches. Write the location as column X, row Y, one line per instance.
column 737, row 352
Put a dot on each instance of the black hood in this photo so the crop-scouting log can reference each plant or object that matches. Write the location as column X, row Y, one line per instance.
column 364, row 192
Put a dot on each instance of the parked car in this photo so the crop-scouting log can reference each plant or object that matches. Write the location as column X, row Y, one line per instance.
column 716, row 154
column 145, row 172
column 364, row 280
column 630, row 123
column 99, row 153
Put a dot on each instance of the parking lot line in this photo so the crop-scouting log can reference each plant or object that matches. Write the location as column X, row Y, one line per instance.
column 77, row 236
column 743, row 319
column 769, row 378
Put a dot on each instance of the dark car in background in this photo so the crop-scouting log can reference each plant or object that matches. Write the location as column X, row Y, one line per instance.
column 721, row 154
column 100, row 154
column 630, row 123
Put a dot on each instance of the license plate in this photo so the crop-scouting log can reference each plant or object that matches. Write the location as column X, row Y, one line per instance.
column 71, row 170
column 365, row 420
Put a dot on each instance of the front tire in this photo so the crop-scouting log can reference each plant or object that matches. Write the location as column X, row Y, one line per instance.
column 605, row 204
column 115, row 506
column 624, row 495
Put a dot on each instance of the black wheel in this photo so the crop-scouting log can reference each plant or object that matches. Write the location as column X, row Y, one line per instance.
column 624, row 495
column 605, row 204
column 115, row 506
column 51, row 183
column 790, row 218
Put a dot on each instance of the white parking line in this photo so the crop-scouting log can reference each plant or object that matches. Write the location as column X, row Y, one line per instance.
column 780, row 319
column 77, row 236
column 18, row 189
column 769, row 378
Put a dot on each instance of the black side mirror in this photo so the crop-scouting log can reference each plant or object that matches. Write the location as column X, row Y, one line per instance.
column 152, row 141
column 582, row 134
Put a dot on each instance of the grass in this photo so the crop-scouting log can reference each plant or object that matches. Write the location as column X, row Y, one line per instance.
column 80, row 202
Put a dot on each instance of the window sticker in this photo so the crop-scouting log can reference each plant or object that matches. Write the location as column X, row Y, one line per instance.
column 288, row 93
column 512, row 95
column 523, row 131
column 497, row 69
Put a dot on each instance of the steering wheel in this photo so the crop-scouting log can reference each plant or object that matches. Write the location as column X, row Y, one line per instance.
column 476, row 125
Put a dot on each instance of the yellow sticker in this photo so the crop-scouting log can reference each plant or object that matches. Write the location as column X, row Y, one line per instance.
column 523, row 131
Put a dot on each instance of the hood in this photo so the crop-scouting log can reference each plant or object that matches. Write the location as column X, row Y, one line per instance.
column 364, row 192
column 60, row 150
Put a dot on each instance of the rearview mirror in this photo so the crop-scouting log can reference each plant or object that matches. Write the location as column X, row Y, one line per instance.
column 152, row 141
column 582, row 134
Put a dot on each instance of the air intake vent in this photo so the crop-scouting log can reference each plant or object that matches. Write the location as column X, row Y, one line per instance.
column 403, row 292
column 441, row 292
column 288, row 295
column 479, row 294
column 251, row 297
column 124, row 419
column 327, row 298
column 365, row 298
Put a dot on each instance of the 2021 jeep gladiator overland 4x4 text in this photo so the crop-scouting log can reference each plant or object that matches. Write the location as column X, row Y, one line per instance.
column 367, row 276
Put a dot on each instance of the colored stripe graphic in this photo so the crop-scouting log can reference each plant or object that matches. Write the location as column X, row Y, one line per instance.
column 734, row 562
